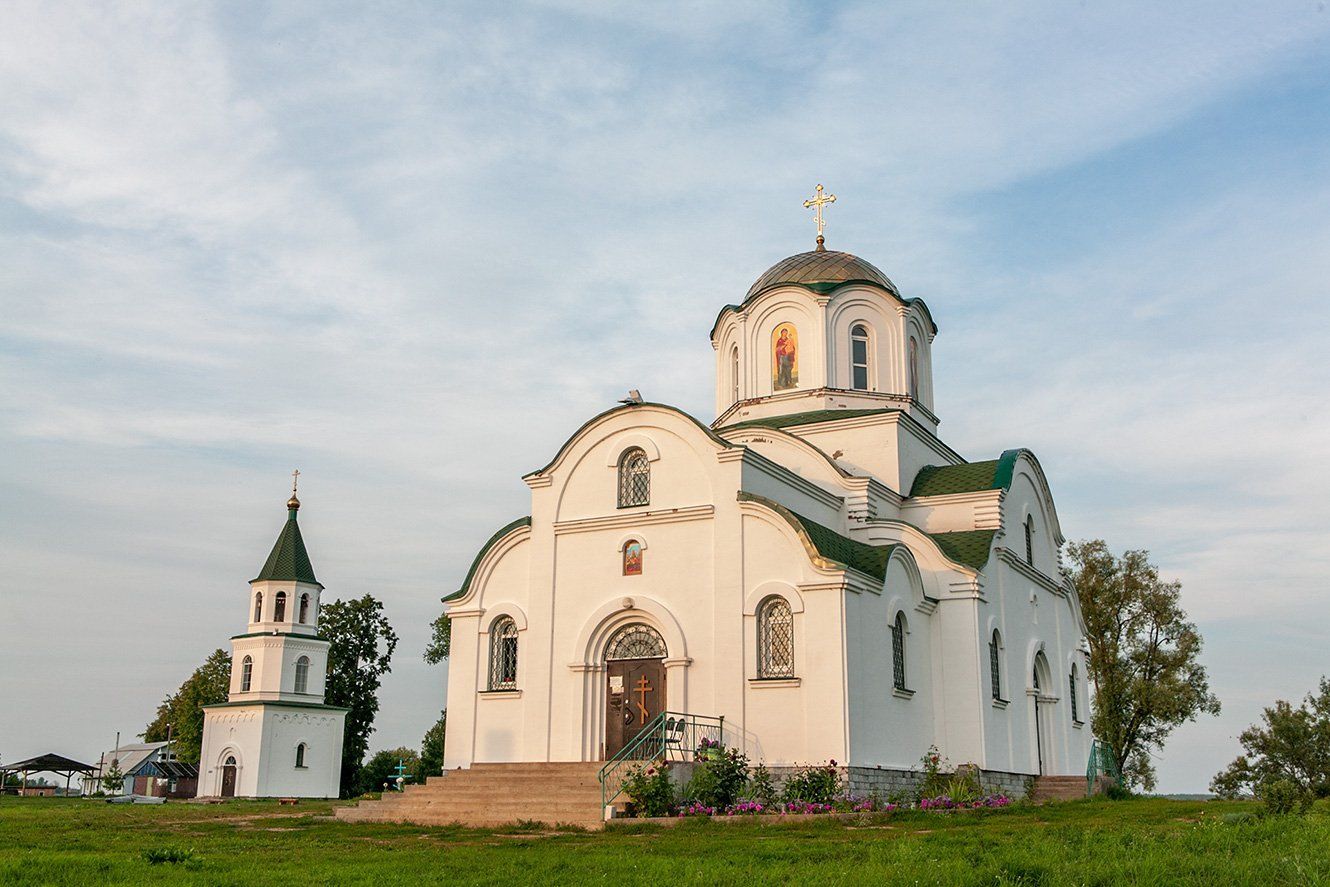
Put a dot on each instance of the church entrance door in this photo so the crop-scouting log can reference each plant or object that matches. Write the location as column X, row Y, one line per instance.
column 636, row 694
column 229, row 778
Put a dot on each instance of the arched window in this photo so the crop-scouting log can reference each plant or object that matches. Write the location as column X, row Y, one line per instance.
column 503, row 655
column 634, row 478
column 246, row 673
column 775, row 639
column 304, row 608
column 300, row 756
column 1030, row 539
column 279, row 607
column 898, row 651
column 635, row 641
column 734, row 374
column 859, row 357
column 914, row 368
column 258, row 606
column 302, row 674
column 994, row 664
column 1075, row 713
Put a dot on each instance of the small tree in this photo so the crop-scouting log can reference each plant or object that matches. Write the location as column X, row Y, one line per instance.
column 113, row 780
column 1144, row 655
column 1293, row 746
column 431, row 747
column 359, row 656
column 383, row 768
column 441, row 640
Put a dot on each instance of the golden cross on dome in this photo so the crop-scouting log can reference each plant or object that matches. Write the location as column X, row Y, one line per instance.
column 815, row 204
column 295, row 478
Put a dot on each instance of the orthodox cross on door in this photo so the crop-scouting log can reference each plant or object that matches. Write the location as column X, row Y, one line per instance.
column 643, row 687
column 816, row 203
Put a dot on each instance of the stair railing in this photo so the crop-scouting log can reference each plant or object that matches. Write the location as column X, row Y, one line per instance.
column 1101, row 763
column 669, row 736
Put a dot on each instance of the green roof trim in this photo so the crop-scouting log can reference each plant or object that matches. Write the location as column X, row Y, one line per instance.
column 808, row 418
column 842, row 551
column 288, row 561
column 968, row 477
column 968, row 547
column 475, row 564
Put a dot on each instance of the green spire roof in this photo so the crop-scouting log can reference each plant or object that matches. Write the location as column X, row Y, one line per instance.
column 289, row 560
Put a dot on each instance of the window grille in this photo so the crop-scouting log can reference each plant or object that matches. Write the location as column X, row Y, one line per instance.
column 279, row 607
column 859, row 357
column 634, row 479
column 503, row 655
column 246, row 674
column 994, row 667
column 258, row 607
column 300, row 755
column 1075, row 715
column 304, row 608
column 775, row 644
column 898, row 651
column 302, row 674
column 636, row 641
column 1029, row 539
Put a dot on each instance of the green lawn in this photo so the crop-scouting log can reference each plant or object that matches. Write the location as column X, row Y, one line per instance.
column 57, row 841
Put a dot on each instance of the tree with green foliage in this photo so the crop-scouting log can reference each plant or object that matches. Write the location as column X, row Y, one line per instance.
column 181, row 714
column 362, row 645
column 1292, row 747
column 441, row 640
column 383, row 768
column 1144, row 655
column 431, row 747
column 112, row 779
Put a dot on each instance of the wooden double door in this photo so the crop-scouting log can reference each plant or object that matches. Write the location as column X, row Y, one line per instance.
column 634, row 696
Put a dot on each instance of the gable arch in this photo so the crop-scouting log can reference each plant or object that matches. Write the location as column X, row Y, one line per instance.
column 503, row 610
column 601, row 625
column 774, row 588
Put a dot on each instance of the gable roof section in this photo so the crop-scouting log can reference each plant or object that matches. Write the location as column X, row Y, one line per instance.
column 809, row 418
column 967, row 547
column 841, row 551
column 484, row 549
column 288, row 560
column 968, row 477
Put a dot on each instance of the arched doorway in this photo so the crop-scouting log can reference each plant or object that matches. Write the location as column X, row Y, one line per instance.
column 229, row 777
column 1040, row 679
column 635, row 695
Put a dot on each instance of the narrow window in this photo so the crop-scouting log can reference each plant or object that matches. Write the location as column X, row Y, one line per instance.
column 503, row 655
column 1029, row 539
column 634, row 479
column 914, row 369
column 279, row 607
column 775, row 639
column 302, row 674
column 304, row 608
column 994, row 666
column 258, row 606
column 300, row 756
column 246, row 673
column 734, row 374
column 859, row 357
column 898, row 651
column 1075, row 714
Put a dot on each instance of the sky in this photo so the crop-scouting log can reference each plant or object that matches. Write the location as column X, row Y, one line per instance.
column 409, row 248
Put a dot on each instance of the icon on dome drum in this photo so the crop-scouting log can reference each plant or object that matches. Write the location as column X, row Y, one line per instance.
column 784, row 357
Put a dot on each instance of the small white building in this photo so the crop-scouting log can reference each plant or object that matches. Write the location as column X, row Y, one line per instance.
column 816, row 565
column 275, row 737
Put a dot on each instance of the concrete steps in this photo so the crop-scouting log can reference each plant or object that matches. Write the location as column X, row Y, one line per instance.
column 1058, row 788
column 492, row 795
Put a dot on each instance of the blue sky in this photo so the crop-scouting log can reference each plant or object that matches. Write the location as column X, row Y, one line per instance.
column 409, row 248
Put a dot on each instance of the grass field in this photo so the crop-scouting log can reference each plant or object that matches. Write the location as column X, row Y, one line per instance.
column 57, row 841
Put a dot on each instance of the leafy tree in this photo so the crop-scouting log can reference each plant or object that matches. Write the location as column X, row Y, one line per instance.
column 441, row 640
column 1143, row 655
column 112, row 779
column 383, row 768
column 1293, row 746
column 208, row 685
column 431, row 747
column 361, row 654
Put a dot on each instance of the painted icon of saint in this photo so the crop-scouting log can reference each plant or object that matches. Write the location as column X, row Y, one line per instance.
column 632, row 559
column 785, row 354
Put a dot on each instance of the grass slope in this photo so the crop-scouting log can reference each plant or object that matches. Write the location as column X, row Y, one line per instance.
column 1153, row 841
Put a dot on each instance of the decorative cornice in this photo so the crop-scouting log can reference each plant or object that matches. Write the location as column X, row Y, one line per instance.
column 635, row 519
column 1017, row 563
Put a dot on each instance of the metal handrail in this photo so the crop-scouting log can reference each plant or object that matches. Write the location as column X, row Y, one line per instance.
column 668, row 736
column 1101, row 763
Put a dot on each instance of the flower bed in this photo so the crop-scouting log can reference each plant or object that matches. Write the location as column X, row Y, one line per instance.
column 851, row 804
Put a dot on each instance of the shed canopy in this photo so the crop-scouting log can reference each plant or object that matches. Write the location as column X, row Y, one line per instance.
column 166, row 769
column 48, row 763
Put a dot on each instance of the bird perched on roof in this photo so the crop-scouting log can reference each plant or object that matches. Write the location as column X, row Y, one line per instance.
column 634, row 396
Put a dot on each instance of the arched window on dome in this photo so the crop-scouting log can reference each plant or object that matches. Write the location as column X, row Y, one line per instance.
column 914, row 368
column 775, row 639
column 246, row 674
column 898, row 630
column 304, row 608
column 634, row 478
column 279, row 607
column 859, row 357
column 734, row 374
column 302, row 674
column 1029, row 539
column 995, row 664
column 503, row 654
column 258, row 606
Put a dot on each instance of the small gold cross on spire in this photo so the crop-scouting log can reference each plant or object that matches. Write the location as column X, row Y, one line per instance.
column 293, row 503
column 816, row 203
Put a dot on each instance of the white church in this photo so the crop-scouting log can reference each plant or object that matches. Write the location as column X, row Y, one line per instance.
column 816, row 565
column 275, row 736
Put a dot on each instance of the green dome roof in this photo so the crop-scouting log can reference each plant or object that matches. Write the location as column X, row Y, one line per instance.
column 821, row 271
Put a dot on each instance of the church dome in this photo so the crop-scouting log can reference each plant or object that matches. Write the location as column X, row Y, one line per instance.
column 821, row 270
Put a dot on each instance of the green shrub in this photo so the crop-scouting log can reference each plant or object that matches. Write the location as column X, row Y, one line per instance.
column 1283, row 796
column 719, row 781
column 649, row 790
column 761, row 787
column 815, row 785
column 172, row 856
column 1116, row 791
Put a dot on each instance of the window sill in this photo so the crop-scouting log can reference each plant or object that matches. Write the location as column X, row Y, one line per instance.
column 1076, row 725
column 500, row 694
column 298, row 767
column 901, row 694
column 1001, row 703
column 774, row 682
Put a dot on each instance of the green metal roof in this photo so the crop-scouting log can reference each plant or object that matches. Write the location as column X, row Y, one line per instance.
column 288, row 560
column 868, row 559
column 821, row 270
column 808, row 418
column 968, row 477
column 475, row 564
column 968, row 547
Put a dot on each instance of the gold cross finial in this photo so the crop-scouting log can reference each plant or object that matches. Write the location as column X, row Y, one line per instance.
column 295, row 478
column 293, row 503
column 815, row 204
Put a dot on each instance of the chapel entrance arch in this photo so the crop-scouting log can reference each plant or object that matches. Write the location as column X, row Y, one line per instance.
column 635, row 684
column 229, row 777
